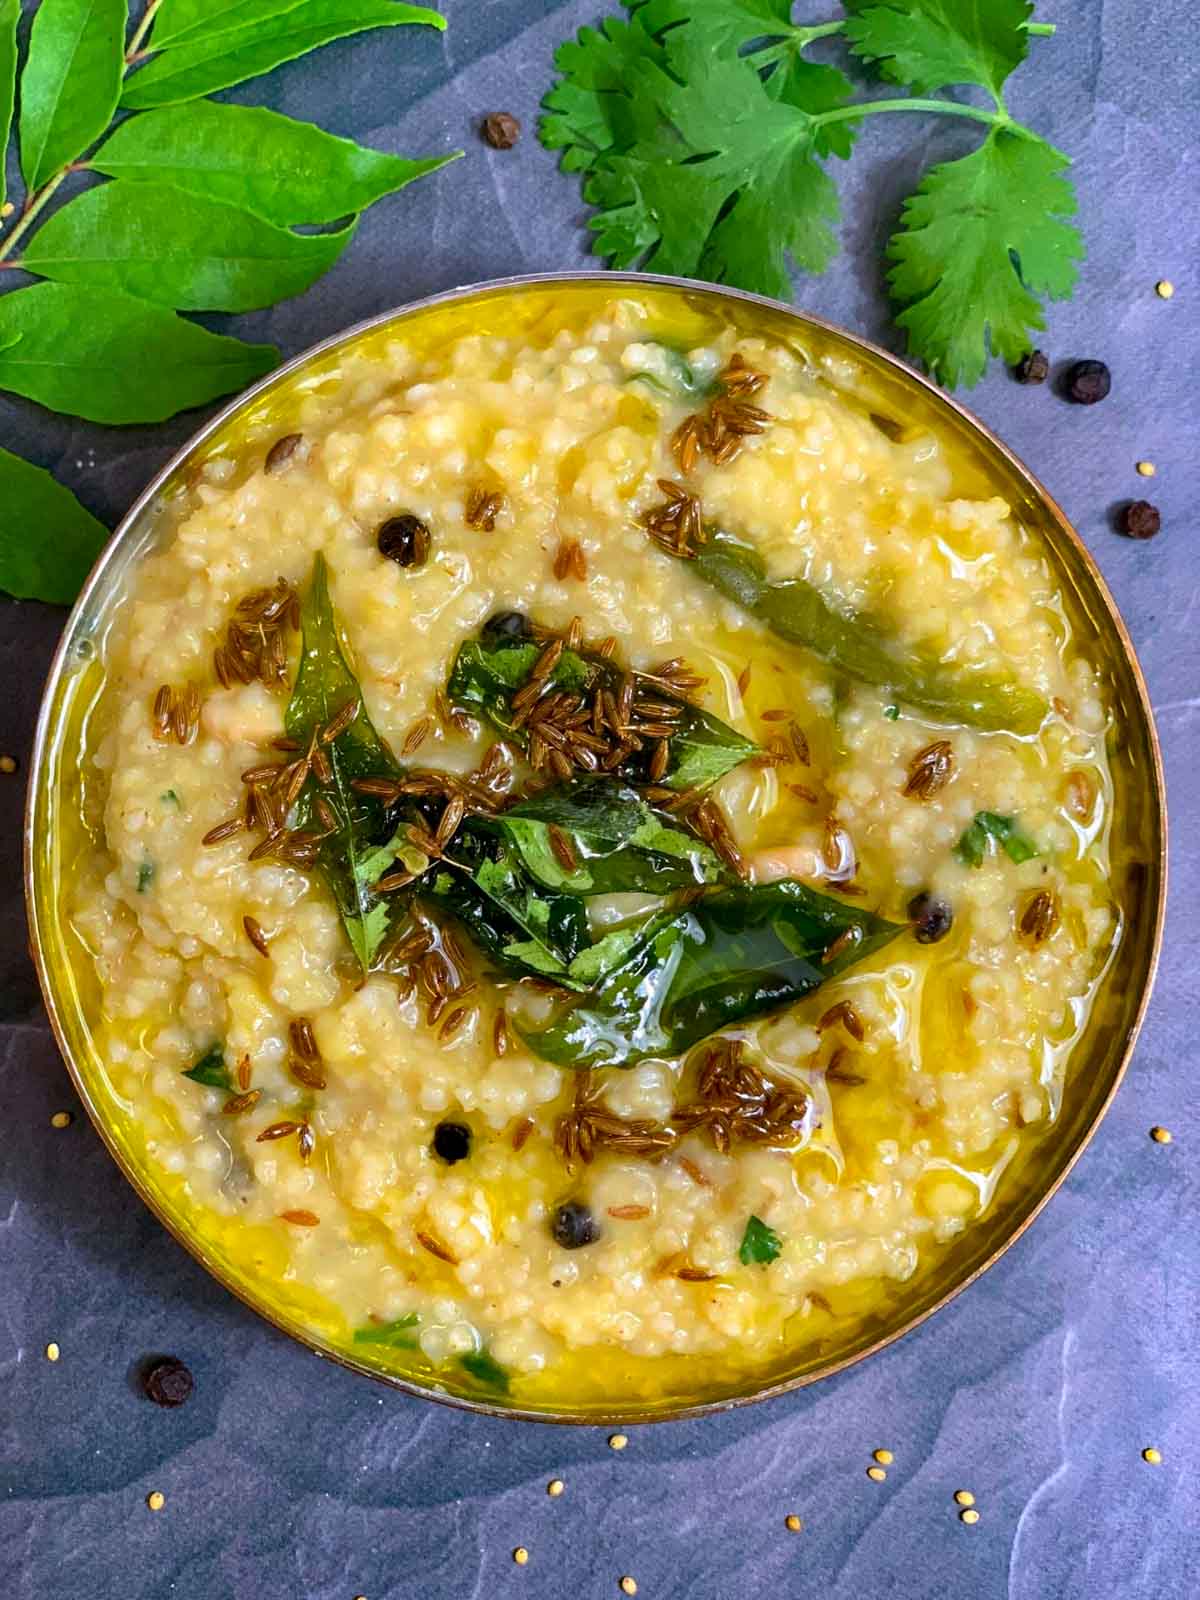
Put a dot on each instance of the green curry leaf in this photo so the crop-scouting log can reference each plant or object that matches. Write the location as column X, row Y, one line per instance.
column 48, row 542
column 10, row 15
column 71, row 82
column 736, row 954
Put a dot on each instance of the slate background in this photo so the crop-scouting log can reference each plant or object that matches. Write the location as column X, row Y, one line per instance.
column 289, row 1480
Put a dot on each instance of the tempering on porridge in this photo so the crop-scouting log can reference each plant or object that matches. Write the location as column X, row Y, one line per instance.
column 597, row 854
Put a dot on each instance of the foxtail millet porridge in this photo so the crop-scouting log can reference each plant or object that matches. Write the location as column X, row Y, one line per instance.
column 599, row 852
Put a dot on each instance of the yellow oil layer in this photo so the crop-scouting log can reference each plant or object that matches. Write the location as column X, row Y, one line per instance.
column 254, row 1261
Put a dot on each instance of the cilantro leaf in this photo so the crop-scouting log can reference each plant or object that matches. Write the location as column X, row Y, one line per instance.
column 397, row 1335
column 974, row 843
column 978, row 242
column 931, row 44
column 211, row 1070
column 591, row 110
column 760, row 1244
column 486, row 1370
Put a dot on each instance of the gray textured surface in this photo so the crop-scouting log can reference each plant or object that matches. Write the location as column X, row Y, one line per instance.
column 287, row 1480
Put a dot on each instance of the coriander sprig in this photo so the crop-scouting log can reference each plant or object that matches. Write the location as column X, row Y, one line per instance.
column 701, row 128
column 181, row 203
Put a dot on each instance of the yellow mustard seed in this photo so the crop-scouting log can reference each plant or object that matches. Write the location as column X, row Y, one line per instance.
column 1160, row 1135
column 7, row 209
column 1153, row 1456
column 628, row 1585
column 1146, row 469
column 877, row 1473
column 521, row 1556
column 52, row 1351
column 970, row 1517
column 964, row 1497
column 61, row 1119
column 618, row 1441
column 1164, row 288
column 884, row 1457
column 792, row 1523
column 555, row 1487
column 156, row 1500
column 8, row 764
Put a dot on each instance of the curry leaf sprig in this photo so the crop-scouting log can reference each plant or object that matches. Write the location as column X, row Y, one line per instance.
column 701, row 129
column 196, row 210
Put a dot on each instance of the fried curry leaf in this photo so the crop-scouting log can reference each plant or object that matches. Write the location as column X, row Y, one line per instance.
column 975, row 842
column 736, row 954
column 397, row 1335
column 324, row 686
column 860, row 647
column 486, row 1370
column 619, row 843
column 760, row 1245
column 489, row 670
column 211, row 1070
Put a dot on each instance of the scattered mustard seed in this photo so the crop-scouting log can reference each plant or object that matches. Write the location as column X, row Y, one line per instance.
column 521, row 1556
column 1164, row 288
column 7, row 209
column 970, row 1517
column 8, row 764
column 156, row 1500
column 792, row 1523
column 1147, row 469
column 884, row 1457
column 52, row 1351
column 61, row 1119
column 618, row 1441
column 555, row 1487
column 876, row 1473
column 1153, row 1456
column 1160, row 1135
column 964, row 1497
column 628, row 1585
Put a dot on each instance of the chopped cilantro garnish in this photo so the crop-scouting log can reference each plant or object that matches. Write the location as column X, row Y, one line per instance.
column 975, row 842
column 485, row 1369
column 760, row 1244
column 211, row 1070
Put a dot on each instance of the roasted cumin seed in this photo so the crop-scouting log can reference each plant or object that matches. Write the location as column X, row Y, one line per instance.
column 1039, row 917
column 427, row 1241
column 303, row 1040
column 562, row 848
column 417, row 736
column 306, row 1072
column 301, row 1219
column 501, row 1039
column 282, row 453
column 695, row 1173
column 570, row 561
column 306, row 1141
column 241, row 1102
column 244, row 1070
column 628, row 1213
column 844, row 1013
column 225, row 830
column 844, row 941
column 689, row 1274
column 483, row 506
column 277, row 1130
column 256, row 936
column 930, row 770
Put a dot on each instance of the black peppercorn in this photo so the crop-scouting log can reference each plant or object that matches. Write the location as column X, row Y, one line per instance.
column 931, row 917
column 452, row 1142
column 1140, row 520
column 167, row 1382
column 507, row 625
column 1034, row 367
column 404, row 540
column 500, row 130
column 574, row 1225
column 1088, row 381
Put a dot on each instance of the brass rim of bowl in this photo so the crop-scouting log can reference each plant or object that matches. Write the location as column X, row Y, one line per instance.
column 281, row 375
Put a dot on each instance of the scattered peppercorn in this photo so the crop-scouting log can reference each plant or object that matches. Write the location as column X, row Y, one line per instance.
column 1033, row 367
column 167, row 1382
column 281, row 453
column 1087, row 382
column 574, row 1226
column 404, row 540
column 452, row 1142
column 931, row 917
column 501, row 130
column 507, row 625
column 1139, row 520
